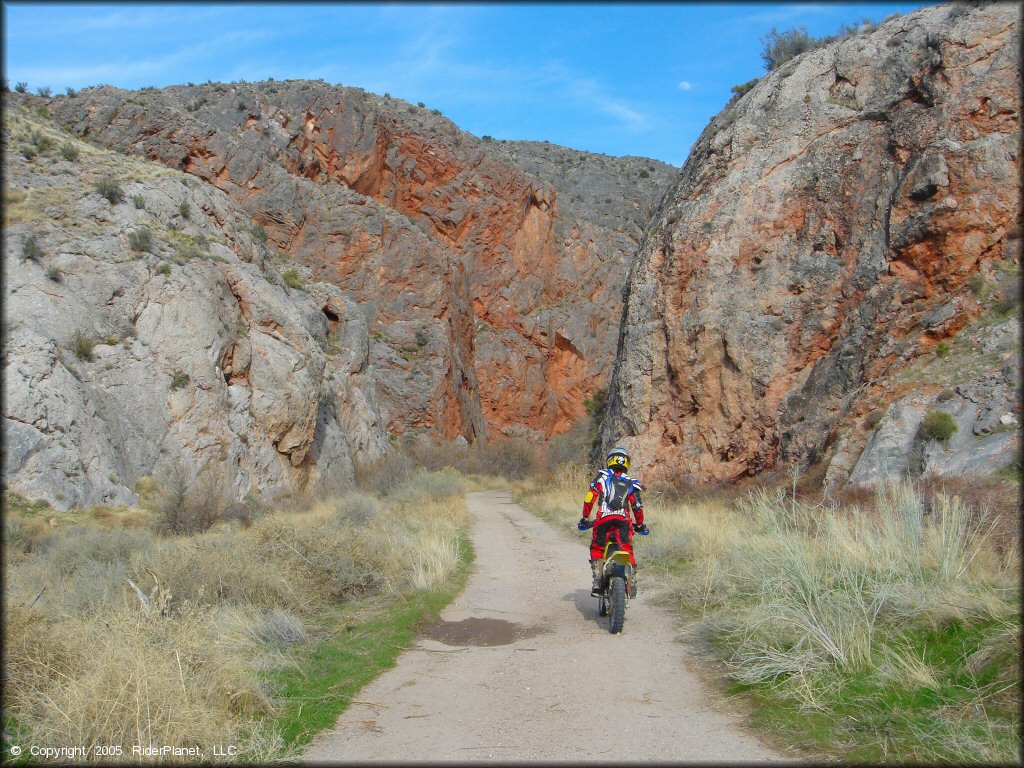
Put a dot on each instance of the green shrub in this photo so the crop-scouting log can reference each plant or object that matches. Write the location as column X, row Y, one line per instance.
column 780, row 47
column 29, row 152
column 978, row 286
column 937, row 425
column 21, row 87
column 873, row 418
column 742, row 88
column 54, row 274
column 72, row 93
column 595, row 407
column 420, row 104
column 258, row 233
column 942, row 349
column 44, row 91
column 164, row 269
column 109, row 188
column 82, row 345
column 69, row 151
column 140, row 201
column 187, row 247
column 179, row 380
column 644, row 174
column 141, row 239
column 594, row 404
column 1007, row 294
column 30, row 248
column 41, row 141
column 291, row 278
column 184, row 209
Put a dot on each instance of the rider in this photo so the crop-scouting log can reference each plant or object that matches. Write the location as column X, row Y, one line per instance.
column 616, row 494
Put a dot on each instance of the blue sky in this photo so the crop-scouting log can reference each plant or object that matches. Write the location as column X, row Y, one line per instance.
column 622, row 79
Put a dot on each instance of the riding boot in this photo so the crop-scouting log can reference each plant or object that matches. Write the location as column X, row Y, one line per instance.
column 631, row 581
column 595, row 569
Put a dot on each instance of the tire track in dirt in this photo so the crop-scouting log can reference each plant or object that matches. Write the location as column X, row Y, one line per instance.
column 527, row 670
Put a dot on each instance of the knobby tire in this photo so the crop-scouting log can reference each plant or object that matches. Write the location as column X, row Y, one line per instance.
column 617, row 604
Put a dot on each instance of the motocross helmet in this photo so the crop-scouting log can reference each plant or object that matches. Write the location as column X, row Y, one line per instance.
column 618, row 458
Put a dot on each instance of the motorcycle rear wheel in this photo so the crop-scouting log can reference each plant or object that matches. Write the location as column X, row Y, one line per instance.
column 617, row 604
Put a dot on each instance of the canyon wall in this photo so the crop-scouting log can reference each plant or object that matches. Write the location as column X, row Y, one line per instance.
column 490, row 272
column 830, row 251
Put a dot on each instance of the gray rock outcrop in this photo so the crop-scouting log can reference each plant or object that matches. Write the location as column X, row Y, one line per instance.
column 154, row 331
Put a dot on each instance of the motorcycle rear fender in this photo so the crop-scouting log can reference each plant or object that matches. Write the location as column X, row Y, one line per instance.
column 621, row 557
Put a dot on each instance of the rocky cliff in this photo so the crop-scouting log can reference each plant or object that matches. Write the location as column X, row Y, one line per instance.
column 839, row 256
column 490, row 272
column 146, row 329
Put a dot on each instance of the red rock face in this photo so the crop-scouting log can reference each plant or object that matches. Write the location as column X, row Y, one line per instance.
column 491, row 308
column 821, row 237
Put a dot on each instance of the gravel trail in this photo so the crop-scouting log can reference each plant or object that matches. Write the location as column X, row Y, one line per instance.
column 520, row 668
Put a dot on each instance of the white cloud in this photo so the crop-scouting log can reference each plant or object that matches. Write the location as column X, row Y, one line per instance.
column 685, row 85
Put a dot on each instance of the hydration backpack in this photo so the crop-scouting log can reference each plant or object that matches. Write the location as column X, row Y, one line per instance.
column 618, row 490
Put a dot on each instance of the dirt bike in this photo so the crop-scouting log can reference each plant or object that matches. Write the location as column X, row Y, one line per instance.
column 618, row 583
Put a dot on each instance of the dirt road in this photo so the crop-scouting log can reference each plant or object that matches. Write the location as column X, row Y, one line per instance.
column 521, row 668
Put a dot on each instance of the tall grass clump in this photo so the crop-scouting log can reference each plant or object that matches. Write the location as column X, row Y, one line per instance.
column 855, row 627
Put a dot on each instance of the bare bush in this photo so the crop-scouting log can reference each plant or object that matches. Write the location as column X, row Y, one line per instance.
column 356, row 508
column 437, row 456
column 188, row 503
column 386, row 473
column 423, row 485
column 81, row 544
column 570, row 447
column 509, row 457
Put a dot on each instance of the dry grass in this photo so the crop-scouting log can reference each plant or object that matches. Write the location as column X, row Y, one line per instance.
column 820, row 581
column 142, row 637
column 828, row 608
